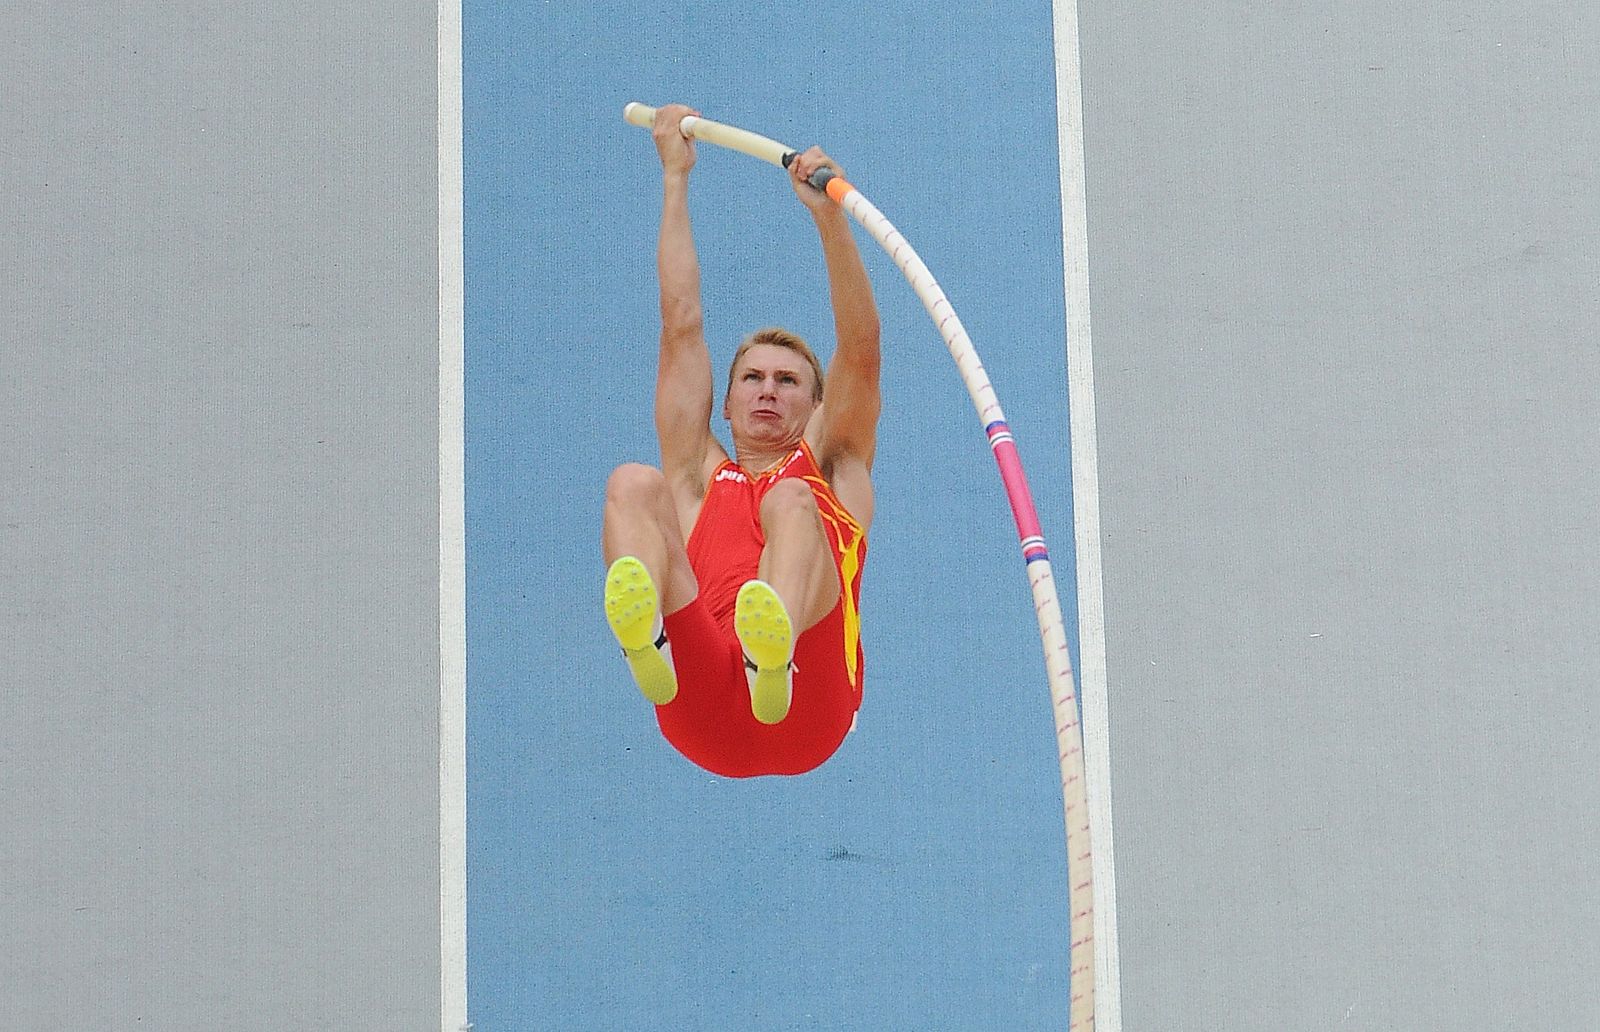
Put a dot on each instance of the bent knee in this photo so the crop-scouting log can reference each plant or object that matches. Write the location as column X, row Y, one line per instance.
column 634, row 481
column 787, row 498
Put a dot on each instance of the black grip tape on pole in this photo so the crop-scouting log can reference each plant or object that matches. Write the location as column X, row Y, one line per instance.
column 819, row 178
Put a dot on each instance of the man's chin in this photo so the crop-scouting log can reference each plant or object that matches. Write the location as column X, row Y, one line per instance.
column 767, row 433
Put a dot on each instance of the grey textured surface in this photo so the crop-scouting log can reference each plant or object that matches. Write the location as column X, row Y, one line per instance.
column 1344, row 266
column 218, row 605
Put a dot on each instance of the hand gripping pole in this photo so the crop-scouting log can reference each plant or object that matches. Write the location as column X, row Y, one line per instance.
column 693, row 127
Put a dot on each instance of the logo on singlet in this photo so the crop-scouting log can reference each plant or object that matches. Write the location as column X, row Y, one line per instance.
column 732, row 474
column 798, row 452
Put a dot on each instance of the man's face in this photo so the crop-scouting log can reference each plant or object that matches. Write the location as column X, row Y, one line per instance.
column 772, row 397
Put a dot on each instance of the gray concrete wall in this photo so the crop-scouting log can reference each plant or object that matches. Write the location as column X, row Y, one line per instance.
column 219, row 597
column 1343, row 264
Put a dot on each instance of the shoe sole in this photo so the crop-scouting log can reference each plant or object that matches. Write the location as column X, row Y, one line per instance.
column 631, row 608
column 762, row 624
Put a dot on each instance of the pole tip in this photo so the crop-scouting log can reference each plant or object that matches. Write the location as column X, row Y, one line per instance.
column 638, row 114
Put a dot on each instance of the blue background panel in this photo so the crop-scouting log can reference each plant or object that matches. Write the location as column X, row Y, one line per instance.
column 919, row 877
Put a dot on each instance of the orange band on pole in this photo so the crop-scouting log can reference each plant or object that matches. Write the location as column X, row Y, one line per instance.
column 837, row 189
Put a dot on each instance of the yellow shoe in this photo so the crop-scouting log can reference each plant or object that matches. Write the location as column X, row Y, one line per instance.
column 633, row 611
column 763, row 627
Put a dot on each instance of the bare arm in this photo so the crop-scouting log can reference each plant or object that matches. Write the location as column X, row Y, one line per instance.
column 846, row 426
column 683, row 373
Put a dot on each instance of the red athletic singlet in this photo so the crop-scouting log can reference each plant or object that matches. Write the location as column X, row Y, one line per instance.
column 710, row 720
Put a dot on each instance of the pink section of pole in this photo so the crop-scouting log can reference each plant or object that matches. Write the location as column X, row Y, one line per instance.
column 1017, row 493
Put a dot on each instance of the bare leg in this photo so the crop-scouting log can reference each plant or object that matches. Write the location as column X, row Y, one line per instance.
column 641, row 521
column 797, row 560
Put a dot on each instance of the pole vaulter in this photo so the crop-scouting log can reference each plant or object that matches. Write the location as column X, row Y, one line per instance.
column 1052, row 630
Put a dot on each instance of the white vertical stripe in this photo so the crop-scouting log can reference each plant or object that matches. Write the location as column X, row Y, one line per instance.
column 1086, row 513
column 452, row 539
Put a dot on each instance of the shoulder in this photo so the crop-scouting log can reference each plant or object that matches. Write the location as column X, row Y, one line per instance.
column 845, row 424
column 850, row 477
column 691, row 480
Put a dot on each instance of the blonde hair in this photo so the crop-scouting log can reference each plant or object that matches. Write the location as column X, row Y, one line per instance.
column 783, row 339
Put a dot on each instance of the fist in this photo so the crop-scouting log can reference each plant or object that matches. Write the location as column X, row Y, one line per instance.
column 676, row 152
column 804, row 165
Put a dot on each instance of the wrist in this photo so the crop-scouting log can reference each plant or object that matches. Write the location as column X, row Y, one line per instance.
column 829, row 217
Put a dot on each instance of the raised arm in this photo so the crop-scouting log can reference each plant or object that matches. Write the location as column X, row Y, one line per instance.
column 683, row 372
column 845, row 428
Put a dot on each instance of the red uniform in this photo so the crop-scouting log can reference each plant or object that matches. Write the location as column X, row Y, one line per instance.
column 710, row 720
